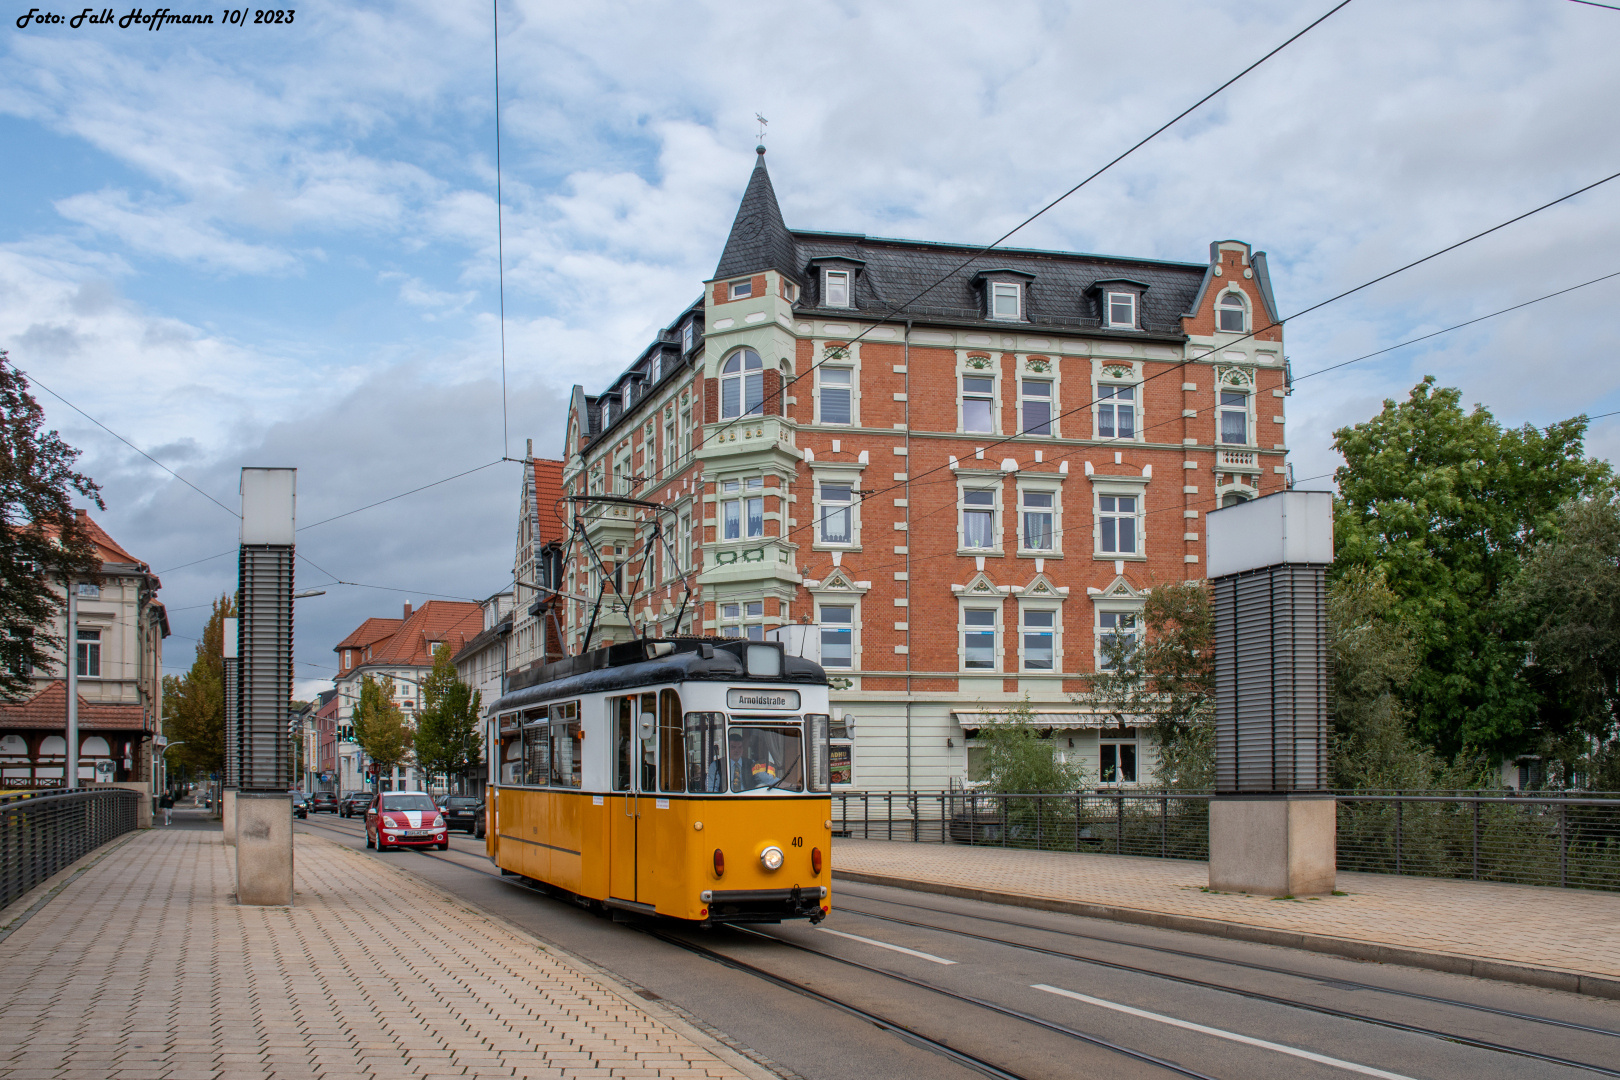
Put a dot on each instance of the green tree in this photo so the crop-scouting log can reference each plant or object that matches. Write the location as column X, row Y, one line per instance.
column 447, row 735
column 379, row 725
column 41, row 536
column 1569, row 592
column 194, row 703
column 1017, row 760
column 1444, row 505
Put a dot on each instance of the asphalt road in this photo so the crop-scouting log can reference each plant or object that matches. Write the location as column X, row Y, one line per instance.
column 1039, row 995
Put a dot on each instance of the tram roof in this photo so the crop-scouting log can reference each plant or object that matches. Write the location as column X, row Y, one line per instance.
column 635, row 664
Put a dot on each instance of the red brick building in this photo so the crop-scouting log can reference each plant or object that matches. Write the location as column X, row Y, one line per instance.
column 961, row 470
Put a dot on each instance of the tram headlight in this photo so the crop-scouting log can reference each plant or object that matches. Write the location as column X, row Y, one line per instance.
column 771, row 858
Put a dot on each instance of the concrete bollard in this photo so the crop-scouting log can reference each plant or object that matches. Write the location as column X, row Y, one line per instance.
column 227, row 804
column 264, row 849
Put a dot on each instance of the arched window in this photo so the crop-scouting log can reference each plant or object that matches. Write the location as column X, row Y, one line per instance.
column 1233, row 310
column 742, row 384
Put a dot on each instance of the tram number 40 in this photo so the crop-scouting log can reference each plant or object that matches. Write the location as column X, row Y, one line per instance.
column 798, row 841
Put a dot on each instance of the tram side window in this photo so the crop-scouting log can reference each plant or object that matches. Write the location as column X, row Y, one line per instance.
column 705, row 751
column 623, row 712
column 671, row 761
column 566, row 759
column 536, row 749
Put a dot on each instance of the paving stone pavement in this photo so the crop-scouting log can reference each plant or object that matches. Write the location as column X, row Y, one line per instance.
column 1575, row 930
column 145, row 967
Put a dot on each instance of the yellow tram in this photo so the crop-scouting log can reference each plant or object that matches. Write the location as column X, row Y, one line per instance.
column 686, row 778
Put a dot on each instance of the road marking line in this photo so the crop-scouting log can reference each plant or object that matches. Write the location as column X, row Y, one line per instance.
column 1323, row 1059
column 886, row 945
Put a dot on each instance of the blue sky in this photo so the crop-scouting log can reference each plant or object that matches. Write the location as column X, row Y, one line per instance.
column 276, row 245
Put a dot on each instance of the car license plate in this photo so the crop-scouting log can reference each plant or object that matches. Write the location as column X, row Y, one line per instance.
column 419, row 832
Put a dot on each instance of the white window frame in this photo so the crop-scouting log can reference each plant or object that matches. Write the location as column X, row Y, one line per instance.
column 1055, row 631
column 829, row 282
column 963, row 628
column 1051, row 406
column 1056, row 492
column 853, row 481
column 742, row 358
column 88, row 648
column 1120, row 491
column 686, row 432
column 1009, row 289
column 740, row 290
column 1109, row 298
column 1106, row 396
column 1114, row 610
column 1241, row 309
column 739, row 493
column 688, row 336
column 746, row 617
column 822, row 387
column 853, row 603
column 666, row 457
column 1116, row 741
column 1222, row 410
column 962, row 395
column 685, row 541
column 979, row 486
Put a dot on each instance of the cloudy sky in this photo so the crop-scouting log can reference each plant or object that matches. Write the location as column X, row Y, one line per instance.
column 276, row 245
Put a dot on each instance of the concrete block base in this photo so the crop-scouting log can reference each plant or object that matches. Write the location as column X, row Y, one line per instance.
column 1273, row 845
column 264, row 849
column 227, row 802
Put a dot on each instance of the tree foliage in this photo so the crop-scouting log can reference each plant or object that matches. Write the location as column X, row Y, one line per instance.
column 194, row 703
column 379, row 725
column 447, row 735
column 1444, row 505
column 1569, row 593
column 40, row 535
column 1019, row 761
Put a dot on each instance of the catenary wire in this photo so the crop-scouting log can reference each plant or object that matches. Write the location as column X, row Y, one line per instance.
column 896, row 313
column 123, row 440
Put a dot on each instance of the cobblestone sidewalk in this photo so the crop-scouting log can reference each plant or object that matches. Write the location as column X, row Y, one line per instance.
column 146, row 968
column 1572, row 930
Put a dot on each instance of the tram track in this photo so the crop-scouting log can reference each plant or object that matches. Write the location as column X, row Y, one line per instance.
column 1256, row 995
column 1332, row 982
column 911, row 1035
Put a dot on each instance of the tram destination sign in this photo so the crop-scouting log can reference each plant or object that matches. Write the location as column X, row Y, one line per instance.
column 786, row 700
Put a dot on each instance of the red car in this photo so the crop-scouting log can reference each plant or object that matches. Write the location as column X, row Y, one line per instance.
column 397, row 819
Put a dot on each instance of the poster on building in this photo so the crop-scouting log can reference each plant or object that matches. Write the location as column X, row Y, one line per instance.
column 843, row 769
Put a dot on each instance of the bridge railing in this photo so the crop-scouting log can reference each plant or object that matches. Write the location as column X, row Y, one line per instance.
column 1532, row 840
column 42, row 833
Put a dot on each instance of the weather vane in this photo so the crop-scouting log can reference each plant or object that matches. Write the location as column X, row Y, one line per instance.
column 762, row 123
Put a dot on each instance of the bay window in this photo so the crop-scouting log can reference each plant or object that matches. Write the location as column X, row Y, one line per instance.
column 742, row 385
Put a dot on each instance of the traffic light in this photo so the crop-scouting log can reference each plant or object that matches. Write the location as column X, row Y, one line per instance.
column 292, row 726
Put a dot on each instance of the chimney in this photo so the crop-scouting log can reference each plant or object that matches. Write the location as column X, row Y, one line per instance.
column 407, row 609
column 528, row 450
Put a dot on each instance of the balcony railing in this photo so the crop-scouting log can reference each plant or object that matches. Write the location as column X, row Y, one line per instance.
column 1236, row 459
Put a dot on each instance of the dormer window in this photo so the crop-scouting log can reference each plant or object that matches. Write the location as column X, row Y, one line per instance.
column 1232, row 312
column 688, row 336
column 1120, row 310
column 1006, row 300
column 739, row 290
column 835, row 288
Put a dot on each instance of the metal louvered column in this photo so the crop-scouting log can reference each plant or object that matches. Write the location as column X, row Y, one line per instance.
column 265, row 670
column 1271, row 828
column 233, row 714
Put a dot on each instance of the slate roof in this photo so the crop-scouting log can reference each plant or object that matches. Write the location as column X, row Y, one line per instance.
column 48, row 709
column 759, row 239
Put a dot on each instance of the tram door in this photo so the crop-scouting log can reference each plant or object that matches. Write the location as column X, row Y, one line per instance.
column 625, row 808
column 662, row 773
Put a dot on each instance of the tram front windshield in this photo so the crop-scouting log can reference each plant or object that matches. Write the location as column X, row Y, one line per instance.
column 764, row 756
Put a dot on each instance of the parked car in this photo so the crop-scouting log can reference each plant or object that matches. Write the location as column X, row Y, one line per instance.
column 324, row 800
column 466, row 812
column 353, row 803
column 397, row 819
column 300, row 803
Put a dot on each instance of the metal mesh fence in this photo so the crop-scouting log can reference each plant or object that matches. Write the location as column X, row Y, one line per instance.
column 41, row 834
column 1572, row 842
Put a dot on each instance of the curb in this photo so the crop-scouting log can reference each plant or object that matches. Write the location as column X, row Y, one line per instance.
column 1575, row 982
